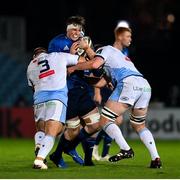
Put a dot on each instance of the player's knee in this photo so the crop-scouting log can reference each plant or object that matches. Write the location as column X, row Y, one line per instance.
column 109, row 114
column 119, row 120
column 92, row 119
column 72, row 124
column 40, row 125
column 137, row 122
column 93, row 127
column 72, row 128
column 53, row 128
column 71, row 133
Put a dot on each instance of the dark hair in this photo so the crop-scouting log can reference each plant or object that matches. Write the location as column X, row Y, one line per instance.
column 39, row 50
column 76, row 20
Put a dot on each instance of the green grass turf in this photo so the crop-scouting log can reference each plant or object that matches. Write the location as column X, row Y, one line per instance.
column 17, row 156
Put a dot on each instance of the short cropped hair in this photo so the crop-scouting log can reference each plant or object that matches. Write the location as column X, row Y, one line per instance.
column 76, row 20
column 121, row 30
column 39, row 50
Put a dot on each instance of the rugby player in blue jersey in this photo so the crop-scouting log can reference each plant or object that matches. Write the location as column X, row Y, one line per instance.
column 81, row 107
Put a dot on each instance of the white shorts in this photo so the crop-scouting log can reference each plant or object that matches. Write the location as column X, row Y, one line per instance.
column 53, row 109
column 133, row 90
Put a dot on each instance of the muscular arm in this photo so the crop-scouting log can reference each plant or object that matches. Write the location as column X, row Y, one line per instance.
column 90, row 52
column 91, row 64
column 101, row 83
column 81, row 59
column 83, row 44
column 97, row 95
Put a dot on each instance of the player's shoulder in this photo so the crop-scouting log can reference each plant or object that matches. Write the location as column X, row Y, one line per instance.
column 58, row 54
column 111, row 50
column 60, row 37
column 108, row 47
column 31, row 65
column 32, row 62
column 103, row 48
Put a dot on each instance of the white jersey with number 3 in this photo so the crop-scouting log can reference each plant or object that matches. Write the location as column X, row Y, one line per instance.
column 47, row 75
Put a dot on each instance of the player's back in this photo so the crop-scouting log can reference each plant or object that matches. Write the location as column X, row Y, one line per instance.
column 48, row 73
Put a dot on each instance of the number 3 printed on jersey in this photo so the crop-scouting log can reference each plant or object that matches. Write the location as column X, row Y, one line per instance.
column 44, row 69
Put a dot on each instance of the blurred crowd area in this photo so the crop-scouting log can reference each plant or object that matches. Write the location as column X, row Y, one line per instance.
column 154, row 47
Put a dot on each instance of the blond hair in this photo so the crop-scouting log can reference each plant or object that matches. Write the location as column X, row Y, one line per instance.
column 121, row 30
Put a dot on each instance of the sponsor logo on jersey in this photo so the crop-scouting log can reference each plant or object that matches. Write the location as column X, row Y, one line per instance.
column 124, row 98
column 66, row 48
column 137, row 88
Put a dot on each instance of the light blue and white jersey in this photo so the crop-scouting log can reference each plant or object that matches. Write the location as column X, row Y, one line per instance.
column 118, row 65
column 47, row 75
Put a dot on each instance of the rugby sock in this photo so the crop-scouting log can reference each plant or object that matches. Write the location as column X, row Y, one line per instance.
column 88, row 145
column 99, row 137
column 147, row 138
column 115, row 133
column 46, row 146
column 66, row 145
column 106, row 145
column 38, row 137
column 81, row 136
column 60, row 147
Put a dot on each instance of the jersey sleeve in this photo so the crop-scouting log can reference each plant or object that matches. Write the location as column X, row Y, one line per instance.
column 103, row 53
column 72, row 59
column 54, row 46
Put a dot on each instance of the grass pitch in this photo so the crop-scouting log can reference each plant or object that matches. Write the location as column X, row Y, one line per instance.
column 17, row 156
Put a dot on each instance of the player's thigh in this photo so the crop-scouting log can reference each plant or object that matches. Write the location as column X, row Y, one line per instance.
column 88, row 111
column 143, row 100
column 79, row 102
column 86, row 104
column 55, row 110
column 117, row 107
column 91, row 120
column 124, row 92
column 39, row 112
column 139, row 111
column 73, row 103
column 111, row 111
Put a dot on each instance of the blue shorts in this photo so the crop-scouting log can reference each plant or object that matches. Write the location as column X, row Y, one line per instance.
column 80, row 102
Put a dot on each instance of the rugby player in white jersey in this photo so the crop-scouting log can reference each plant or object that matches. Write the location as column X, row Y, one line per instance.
column 132, row 92
column 47, row 77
